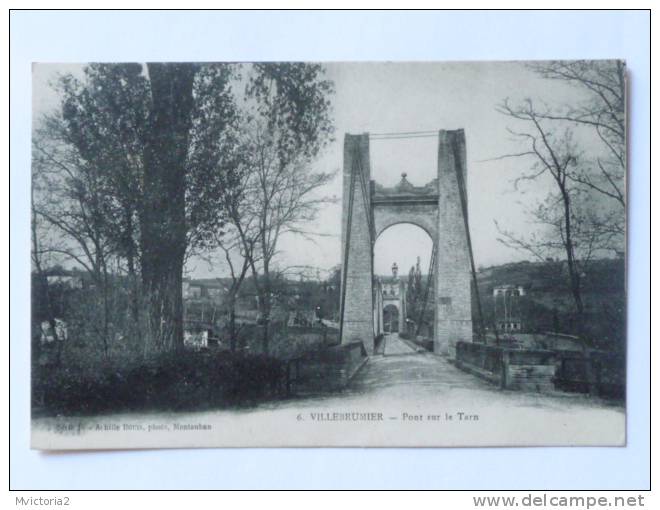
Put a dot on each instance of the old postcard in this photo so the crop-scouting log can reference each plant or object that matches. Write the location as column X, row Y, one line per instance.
column 328, row 254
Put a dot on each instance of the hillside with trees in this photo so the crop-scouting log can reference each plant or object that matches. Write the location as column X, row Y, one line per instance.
column 548, row 306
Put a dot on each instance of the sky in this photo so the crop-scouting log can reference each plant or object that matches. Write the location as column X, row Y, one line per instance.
column 401, row 97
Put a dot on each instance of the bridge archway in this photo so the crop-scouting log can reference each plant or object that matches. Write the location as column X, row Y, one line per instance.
column 399, row 248
column 422, row 217
column 391, row 318
column 438, row 207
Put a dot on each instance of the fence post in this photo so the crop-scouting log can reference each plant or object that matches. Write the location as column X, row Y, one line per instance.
column 589, row 373
column 288, row 378
column 504, row 381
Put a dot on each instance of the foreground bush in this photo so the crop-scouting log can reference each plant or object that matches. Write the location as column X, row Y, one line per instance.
column 170, row 382
column 286, row 342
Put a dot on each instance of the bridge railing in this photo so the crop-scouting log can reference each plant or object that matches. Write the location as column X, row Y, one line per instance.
column 509, row 368
column 595, row 372
column 598, row 373
column 327, row 369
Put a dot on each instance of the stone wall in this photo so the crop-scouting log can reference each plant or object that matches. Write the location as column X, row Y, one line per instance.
column 529, row 370
column 328, row 369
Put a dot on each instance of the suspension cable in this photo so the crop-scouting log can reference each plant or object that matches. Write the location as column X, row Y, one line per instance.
column 429, row 281
column 463, row 197
column 349, row 224
column 402, row 137
column 405, row 133
column 365, row 198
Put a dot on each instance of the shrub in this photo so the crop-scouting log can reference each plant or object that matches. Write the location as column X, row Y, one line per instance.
column 177, row 381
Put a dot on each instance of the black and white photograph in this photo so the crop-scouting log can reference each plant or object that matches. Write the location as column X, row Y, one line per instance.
column 328, row 254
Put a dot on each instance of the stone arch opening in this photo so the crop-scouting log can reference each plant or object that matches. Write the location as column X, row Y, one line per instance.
column 423, row 218
column 402, row 242
column 402, row 255
column 391, row 319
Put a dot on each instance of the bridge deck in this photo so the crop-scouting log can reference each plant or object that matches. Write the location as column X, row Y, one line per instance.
column 395, row 345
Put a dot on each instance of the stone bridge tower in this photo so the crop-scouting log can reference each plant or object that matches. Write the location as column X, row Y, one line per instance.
column 438, row 208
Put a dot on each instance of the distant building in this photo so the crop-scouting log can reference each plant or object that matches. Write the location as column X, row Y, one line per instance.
column 212, row 289
column 390, row 302
column 70, row 281
column 508, row 315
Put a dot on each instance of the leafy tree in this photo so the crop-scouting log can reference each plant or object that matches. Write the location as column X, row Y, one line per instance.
column 583, row 215
column 568, row 222
column 145, row 165
column 68, row 208
column 603, row 112
column 415, row 294
column 157, row 142
column 285, row 124
column 163, row 211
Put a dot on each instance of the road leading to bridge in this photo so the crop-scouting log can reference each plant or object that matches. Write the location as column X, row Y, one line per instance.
column 421, row 400
column 395, row 345
column 422, row 384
